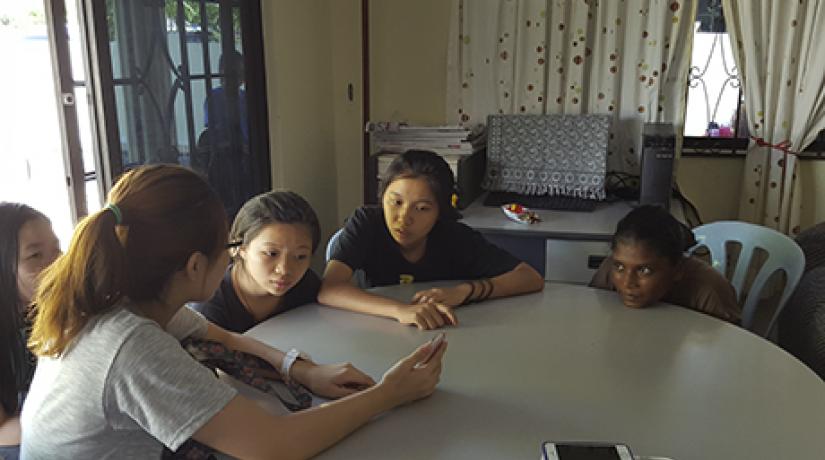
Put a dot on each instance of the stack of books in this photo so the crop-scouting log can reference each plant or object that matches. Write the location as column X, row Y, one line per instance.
column 462, row 148
column 385, row 158
column 443, row 140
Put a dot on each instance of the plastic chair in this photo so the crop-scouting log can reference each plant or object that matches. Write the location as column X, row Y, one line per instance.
column 782, row 254
column 360, row 275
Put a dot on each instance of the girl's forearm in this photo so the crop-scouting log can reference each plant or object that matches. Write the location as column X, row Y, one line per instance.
column 244, row 430
column 246, row 344
column 522, row 279
column 348, row 297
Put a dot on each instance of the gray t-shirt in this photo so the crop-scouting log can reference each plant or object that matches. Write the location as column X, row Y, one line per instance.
column 124, row 389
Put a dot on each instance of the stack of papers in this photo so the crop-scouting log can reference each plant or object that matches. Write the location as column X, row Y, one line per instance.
column 385, row 158
column 444, row 140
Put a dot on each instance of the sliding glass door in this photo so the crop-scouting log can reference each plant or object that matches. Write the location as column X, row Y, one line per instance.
column 46, row 155
column 181, row 81
column 92, row 88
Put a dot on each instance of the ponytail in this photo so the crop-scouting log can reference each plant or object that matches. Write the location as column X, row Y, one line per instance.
column 81, row 284
column 160, row 215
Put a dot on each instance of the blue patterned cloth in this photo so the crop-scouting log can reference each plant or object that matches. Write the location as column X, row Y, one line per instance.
column 548, row 154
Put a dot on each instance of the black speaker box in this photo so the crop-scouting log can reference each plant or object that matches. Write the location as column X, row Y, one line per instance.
column 658, row 151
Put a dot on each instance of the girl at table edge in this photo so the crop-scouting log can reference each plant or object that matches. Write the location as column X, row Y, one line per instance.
column 649, row 263
column 27, row 245
column 415, row 236
column 276, row 234
column 111, row 374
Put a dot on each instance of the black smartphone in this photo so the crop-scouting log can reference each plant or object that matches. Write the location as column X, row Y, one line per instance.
column 585, row 451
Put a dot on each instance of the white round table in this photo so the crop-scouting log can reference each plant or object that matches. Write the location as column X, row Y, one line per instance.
column 572, row 364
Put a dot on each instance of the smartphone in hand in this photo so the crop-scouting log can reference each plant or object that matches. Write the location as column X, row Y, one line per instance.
column 584, row 450
column 435, row 344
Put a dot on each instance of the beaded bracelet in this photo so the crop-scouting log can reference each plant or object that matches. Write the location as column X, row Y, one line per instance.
column 483, row 294
column 470, row 294
column 488, row 289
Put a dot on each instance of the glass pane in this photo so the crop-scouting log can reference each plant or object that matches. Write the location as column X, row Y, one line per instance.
column 85, row 126
column 31, row 158
column 173, row 32
column 83, row 109
column 93, row 200
column 165, row 117
column 75, row 46
column 714, row 88
column 236, row 31
column 129, row 157
column 215, row 57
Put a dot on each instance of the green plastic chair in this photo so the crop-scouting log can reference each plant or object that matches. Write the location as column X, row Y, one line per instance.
column 782, row 254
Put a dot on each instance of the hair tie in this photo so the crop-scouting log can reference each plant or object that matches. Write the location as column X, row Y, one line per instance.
column 116, row 211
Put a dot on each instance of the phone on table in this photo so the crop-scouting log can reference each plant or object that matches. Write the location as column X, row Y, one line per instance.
column 435, row 344
column 584, row 451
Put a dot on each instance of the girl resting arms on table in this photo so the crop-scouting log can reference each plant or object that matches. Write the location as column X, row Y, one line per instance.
column 112, row 380
column 276, row 234
column 649, row 264
column 415, row 236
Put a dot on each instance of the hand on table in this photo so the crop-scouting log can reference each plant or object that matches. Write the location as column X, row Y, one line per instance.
column 331, row 380
column 428, row 315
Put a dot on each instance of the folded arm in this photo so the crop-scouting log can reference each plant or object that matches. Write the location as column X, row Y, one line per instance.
column 336, row 291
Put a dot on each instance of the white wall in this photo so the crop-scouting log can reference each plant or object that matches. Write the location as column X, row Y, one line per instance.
column 712, row 185
column 298, row 61
column 408, row 57
column 345, row 26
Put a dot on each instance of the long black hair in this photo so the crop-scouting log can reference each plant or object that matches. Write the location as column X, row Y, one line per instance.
column 433, row 169
column 16, row 363
column 655, row 227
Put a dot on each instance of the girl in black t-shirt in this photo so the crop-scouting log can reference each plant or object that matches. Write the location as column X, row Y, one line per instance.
column 275, row 234
column 415, row 236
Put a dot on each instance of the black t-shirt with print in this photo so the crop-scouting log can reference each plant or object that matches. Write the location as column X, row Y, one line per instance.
column 454, row 251
column 226, row 310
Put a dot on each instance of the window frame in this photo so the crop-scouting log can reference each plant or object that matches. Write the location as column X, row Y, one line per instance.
column 727, row 147
column 109, row 154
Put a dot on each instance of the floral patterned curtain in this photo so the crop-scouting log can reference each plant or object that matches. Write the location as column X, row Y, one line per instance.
column 627, row 58
column 778, row 50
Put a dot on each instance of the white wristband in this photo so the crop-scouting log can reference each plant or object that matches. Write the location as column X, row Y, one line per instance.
column 289, row 359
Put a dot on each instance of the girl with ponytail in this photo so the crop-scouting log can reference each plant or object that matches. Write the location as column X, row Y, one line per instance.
column 650, row 263
column 112, row 379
